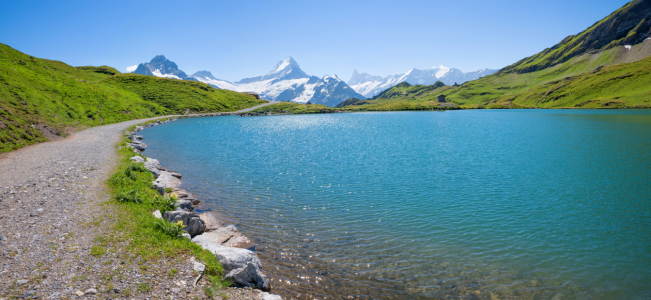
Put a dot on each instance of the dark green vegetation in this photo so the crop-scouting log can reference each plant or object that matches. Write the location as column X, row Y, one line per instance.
column 150, row 239
column 41, row 99
column 593, row 69
column 411, row 97
column 292, row 108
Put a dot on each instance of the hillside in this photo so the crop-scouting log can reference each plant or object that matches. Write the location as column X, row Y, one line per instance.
column 582, row 76
column 42, row 99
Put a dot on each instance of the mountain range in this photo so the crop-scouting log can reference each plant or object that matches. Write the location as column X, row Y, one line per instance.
column 369, row 86
column 285, row 82
column 604, row 66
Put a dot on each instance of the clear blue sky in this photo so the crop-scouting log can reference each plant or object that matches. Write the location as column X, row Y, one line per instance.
column 238, row 39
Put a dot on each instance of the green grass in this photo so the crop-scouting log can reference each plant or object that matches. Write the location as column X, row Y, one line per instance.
column 594, row 80
column 294, row 108
column 38, row 92
column 135, row 223
column 634, row 13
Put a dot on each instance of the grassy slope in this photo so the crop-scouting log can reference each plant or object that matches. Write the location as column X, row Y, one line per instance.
column 534, row 89
column 590, row 69
column 294, row 108
column 625, row 26
column 178, row 95
column 39, row 92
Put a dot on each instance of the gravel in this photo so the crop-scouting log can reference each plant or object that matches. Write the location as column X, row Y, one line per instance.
column 50, row 197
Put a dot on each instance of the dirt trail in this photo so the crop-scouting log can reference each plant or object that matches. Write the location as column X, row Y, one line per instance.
column 50, row 195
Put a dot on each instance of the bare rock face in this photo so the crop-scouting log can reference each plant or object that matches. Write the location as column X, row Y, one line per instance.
column 166, row 180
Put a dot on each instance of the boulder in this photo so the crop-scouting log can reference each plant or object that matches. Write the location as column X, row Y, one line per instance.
column 212, row 220
column 184, row 204
column 268, row 296
column 232, row 258
column 193, row 224
column 153, row 166
column 136, row 151
column 138, row 146
column 249, row 276
column 137, row 159
column 157, row 214
column 165, row 180
column 175, row 174
column 227, row 236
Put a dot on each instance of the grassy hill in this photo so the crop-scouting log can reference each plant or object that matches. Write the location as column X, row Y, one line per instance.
column 594, row 69
column 292, row 108
column 40, row 98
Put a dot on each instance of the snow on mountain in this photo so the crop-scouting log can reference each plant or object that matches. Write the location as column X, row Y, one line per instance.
column 160, row 66
column 285, row 82
column 370, row 86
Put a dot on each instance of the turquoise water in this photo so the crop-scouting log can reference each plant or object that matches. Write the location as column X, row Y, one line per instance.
column 481, row 204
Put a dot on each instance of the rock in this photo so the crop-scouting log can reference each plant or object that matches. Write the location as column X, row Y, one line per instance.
column 184, row 204
column 195, row 227
column 176, row 290
column 166, row 180
column 175, row 174
column 79, row 293
column 2, row 238
column 227, row 236
column 243, row 267
column 231, row 258
column 157, row 214
column 198, row 267
column 193, row 224
column 153, row 166
column 268, row 296
column 137, row 159
column 28, row 294
column 249, row 276
column 138, row 146
column 212, row 220
column 22, row 281
column 135, row 137
column 136, row 151
column 91, row 291
column 181, row 193
column 186, row 235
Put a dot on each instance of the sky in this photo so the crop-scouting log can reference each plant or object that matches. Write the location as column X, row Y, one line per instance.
column 241, row 39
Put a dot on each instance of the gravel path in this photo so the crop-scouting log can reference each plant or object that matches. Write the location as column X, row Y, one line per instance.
column 252, row 108
column 50, row 208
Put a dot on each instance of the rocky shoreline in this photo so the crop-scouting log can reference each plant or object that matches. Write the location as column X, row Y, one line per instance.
column 233, row 250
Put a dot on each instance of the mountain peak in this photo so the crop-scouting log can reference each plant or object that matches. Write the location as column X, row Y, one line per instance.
column 204, row 74
column 158, row 58
column 282, row 65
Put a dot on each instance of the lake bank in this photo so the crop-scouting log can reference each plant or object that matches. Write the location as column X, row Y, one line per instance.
column 342, row 231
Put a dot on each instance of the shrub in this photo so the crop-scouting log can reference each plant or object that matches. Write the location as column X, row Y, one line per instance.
column 131, row 196
column 171, row 229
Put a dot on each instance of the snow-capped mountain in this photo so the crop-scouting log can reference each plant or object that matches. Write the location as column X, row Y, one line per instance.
column 287, row 82
column 160, row 66
column 370, row 86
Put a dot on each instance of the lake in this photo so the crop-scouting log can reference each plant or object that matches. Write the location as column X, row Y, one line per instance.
column 472, row 204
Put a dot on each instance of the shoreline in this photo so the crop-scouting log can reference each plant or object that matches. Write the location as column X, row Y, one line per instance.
column 233, row 249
